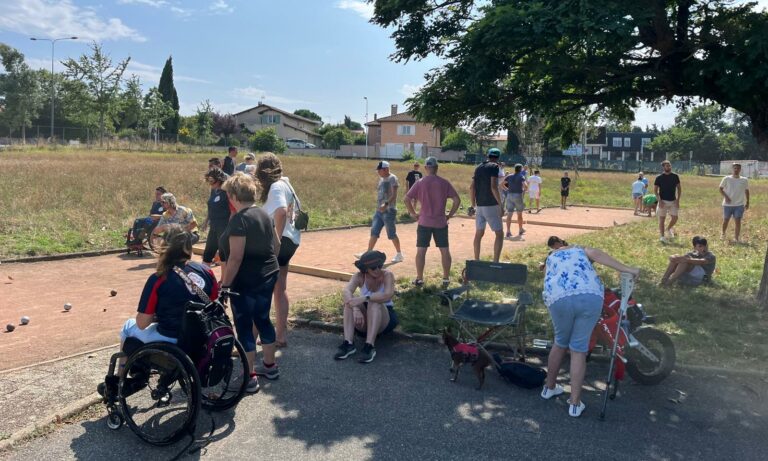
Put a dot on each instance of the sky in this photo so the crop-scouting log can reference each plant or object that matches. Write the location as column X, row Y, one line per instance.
column 321, row 55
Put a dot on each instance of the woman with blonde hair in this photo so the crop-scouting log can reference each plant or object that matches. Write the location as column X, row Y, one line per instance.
column 248, row 246
column 279, row 201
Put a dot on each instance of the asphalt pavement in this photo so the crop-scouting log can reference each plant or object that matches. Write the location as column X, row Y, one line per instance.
column 402, row 406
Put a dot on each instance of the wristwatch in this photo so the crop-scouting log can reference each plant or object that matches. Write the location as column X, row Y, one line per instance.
column 367, row 298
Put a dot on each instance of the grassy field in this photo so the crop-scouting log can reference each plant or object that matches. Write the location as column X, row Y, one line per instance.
column 65, row 201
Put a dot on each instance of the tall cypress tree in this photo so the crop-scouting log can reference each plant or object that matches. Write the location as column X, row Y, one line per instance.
column 168, row 92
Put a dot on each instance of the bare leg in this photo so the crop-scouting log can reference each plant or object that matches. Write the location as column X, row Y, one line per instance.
column 396, row 242
column 538, row 204
column 445, row 259
column 672, row 221
column 497, row 245
column 681, row 269
column 421, row 256
column 670, row 269
column 553, row 365
column 578, row 370
column 281, row 305
column 268, row 353
column 509, row 222
column 372, row 242
column 661, row 224
column 349, row 325
column 737, row 228
column 725, row 224
column 476, row 243
column 377, row 319
column 519, row 222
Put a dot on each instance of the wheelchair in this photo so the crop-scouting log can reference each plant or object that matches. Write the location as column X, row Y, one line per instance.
column 161, row 393
column 140, row 237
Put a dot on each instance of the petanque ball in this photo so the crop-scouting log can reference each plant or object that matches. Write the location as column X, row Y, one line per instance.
column 67, row 306
column 113, row 293
column 25, row 320
column 10, row 327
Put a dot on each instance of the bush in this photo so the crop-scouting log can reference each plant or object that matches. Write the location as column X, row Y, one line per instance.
column 267, row 140
column 408, row 155
column 127, row 133
column 336, row 137
column 359, row 140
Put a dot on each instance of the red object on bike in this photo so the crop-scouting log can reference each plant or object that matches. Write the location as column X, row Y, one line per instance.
column 605, row 328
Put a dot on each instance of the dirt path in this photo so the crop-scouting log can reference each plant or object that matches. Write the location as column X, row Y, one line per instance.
column 39, row 290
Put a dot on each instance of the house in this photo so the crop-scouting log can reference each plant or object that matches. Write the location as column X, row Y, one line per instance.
column 288, row 125
column 620, row 145
column 400, row 132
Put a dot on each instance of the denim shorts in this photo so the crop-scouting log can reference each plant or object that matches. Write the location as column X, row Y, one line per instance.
column 386, row 219
column 736, row 212
column 489, row 214
column 636, row 196
column 393, row 322
column 147, row 335
column 574, row 317
column 514, row 202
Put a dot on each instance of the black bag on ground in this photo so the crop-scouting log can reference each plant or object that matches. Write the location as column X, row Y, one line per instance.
column 520, row 374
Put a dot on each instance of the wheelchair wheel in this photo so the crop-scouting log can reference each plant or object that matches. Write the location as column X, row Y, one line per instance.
column 226, row 393
column 160, row 394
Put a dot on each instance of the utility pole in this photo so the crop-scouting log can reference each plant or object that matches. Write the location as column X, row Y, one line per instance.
column 53, row 80
column 366, row 126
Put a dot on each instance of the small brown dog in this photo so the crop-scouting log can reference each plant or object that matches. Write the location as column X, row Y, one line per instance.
column 462, row 353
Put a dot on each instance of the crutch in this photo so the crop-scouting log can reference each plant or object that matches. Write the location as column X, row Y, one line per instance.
column 627, row 285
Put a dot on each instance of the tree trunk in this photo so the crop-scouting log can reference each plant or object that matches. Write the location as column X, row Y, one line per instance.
column 762, row 294
column 101, row 129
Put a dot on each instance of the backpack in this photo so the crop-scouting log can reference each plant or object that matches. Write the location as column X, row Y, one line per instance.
column 520, row 374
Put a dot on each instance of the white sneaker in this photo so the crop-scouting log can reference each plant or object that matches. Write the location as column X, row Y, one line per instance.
column 548, row 393
column 671, row 233
column 398, row 258
column 576, row 410
column 357, row 255
column 663, row 239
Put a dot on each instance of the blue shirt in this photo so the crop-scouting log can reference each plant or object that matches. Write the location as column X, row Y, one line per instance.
column 515, row 183
column 570, row 272
column 218, row 205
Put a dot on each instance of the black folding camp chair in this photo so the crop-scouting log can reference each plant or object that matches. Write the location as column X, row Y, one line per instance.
column 482, row 321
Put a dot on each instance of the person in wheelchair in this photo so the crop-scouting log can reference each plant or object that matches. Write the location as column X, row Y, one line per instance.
column 372, row 313
column 146, row 224
column 163, row 301
column 176, row 214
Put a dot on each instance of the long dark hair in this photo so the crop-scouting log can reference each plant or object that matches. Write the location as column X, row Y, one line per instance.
column 555, row 239
column 269, row 170
column 176, row 250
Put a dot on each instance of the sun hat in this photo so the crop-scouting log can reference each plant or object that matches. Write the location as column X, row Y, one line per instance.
column 370, row 260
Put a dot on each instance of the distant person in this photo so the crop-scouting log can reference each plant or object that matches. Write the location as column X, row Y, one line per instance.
column 148, row 223
column 229, row 161
column 515, row 186
column 176, row 214
column 735, row 192
column 413, row 176
column 645, row 182
column 502, row 191
column 432, row 193
column 534, row 191
column 668, row 191
column 372, row 313
column 637, row 194
column 249, row 159
column 693, row 268
column 486, row 203
column 565, row 189
column 280, row 203
column 649, row 203
column 386, row 210
column 214, row 162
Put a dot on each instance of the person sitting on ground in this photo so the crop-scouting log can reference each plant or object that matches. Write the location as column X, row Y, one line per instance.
column 649, row 203
column 372, row 313
column 176, row 214
column 146, row 224
column 164, row 298
column 693, row 268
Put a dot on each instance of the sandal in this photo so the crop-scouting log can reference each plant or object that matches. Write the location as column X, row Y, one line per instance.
column 281, row 344
column 418, row 283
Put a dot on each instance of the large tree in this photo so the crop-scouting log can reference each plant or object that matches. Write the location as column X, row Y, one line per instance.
column 101, row 79
column 155, row 113
column 306, row 113
column 168, row 92
column 21, row 96
column 559, row 56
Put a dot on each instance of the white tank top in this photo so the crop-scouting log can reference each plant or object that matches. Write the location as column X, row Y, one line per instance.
column 367, row 292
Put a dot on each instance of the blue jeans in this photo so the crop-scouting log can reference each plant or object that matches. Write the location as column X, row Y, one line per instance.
column 384, row 219
column 574, row 317
column 251, row 308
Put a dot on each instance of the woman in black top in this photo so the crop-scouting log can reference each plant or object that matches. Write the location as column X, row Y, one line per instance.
column 218, row 213
column 248, row 247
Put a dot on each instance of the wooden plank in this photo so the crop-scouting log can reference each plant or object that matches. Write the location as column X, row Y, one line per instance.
column 319, row 272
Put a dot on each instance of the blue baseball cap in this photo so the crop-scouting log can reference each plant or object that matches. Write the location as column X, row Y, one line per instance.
column 494, row 152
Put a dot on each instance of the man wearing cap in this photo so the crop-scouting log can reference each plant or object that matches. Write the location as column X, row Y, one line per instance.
column 432, row 193
column 413, row 176
column 386, row 210
column 372, row 313
column 668, row 191
column 249, row 158
column 486, row 202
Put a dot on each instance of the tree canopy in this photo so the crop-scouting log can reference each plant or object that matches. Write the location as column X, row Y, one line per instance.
column 21, row 96
column 306, row 113
column 168, row 92
column 557, row 57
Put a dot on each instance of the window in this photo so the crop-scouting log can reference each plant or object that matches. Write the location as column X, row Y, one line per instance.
column 646, row 141
column 627, row 142
column 406, row 130
column 616, row 142
column 270, row 119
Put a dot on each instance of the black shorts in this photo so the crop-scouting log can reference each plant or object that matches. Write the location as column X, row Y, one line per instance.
column 564, row 193
column 287, row 250
column 424, row 236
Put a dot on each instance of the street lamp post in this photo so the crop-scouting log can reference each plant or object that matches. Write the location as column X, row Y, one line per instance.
column 53, row 83
column 366, row 126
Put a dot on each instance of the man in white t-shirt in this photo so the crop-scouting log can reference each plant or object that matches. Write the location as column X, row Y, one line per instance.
column 735, row 192
column 534, row 191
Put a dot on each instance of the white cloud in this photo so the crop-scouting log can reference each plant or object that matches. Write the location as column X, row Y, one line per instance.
column 154, row 3
column 221, row 6
column 408, row 90
column 258, row 94
column 362, row 8
column 151, row 74
column 47, row 18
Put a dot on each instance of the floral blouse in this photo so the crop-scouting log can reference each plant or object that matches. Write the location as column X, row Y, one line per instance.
column 569, row 272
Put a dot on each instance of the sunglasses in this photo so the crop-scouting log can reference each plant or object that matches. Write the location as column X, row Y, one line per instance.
column 376, row 268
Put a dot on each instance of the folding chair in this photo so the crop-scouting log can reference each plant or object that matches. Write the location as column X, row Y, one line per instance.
column 491, row 318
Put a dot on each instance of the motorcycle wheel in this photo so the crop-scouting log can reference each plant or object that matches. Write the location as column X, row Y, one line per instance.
column 645, row 371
